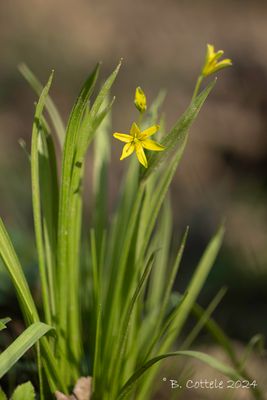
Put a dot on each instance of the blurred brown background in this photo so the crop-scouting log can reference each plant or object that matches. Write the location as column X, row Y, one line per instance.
column 223, row 173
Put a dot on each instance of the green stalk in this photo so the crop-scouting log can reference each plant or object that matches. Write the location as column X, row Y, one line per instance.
column 197, row 87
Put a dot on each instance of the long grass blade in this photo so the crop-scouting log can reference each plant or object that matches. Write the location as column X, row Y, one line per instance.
column 204, row 318
column 67, row 229
column 207, row 359
column 20, row 345
column 16, row 273
column 28, row 308
column 50, row 106
column 36, row 200
column 195, row 285
column 126, row 320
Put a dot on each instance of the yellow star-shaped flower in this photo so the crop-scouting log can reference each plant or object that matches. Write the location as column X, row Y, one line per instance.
column 211, row 63
column 138, row 141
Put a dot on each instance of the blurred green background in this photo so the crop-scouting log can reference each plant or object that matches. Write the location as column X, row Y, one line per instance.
column 224, row 170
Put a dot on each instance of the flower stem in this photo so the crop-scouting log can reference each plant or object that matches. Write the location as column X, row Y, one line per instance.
column 196, row 90
column 140, row 119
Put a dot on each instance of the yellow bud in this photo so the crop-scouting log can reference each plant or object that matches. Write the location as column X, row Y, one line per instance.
column 212, row 63
column 140, row 100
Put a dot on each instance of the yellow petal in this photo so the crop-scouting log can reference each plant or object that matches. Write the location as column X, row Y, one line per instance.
column 135, row 130
column 224, row 63
column 127, row 150
column 210, row 52
column 218, row 54
column 152, row 145
column 123, row 137
column 149, row 131
column 141, row 154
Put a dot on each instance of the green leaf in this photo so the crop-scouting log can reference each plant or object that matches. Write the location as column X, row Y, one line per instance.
column 256, row 342
column 20, row 345
column 204, row 318
column 162, row 242
column 96, row 115
column 176, row 141
column 178, row 134
column 28, row 308
column 2, row 395
column 97, row 349
column 192, row 292
column 153, row 111
column 49, row 204
column 69, row 227
column 158, row 325
column 127, row 317
column 100, row 179
column 36, row 198
column 50, row 106
column 197, row 281
column 104, row 91
column 24, row 392
column 14, row 268
column 226, row 344
column 3, row 323
column 207, row 359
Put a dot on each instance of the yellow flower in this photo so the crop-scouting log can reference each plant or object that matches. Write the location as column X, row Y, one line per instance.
column 138, row 141
column 211, row 63
column 140, row 100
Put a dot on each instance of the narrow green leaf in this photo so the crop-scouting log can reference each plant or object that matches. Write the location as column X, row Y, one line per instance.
column 193, row 290
column 69, row 223
column 178, row 133
column 86, row 131
column 36, row 199
column 2, row 395
column 256, row 342
column 207, row 359
column 174, row 271
column 13, row 266
column 118, row 231
column 158, row 327
column 50, row 106
column 100, row 179
column 162, row 240
column 160, row 331
column 104, row 91
column 117, row 365
column 153, row 111
column 20, row 345
column 49, row 204
column 97, row 350
column 3, row 322
column 222, row 339
column 133, row 300
column 177, row 140
column 95, row 116
column 115, row 298
column 204, row 318
column 23, row 392
column 195, row 286
column 28, row 308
